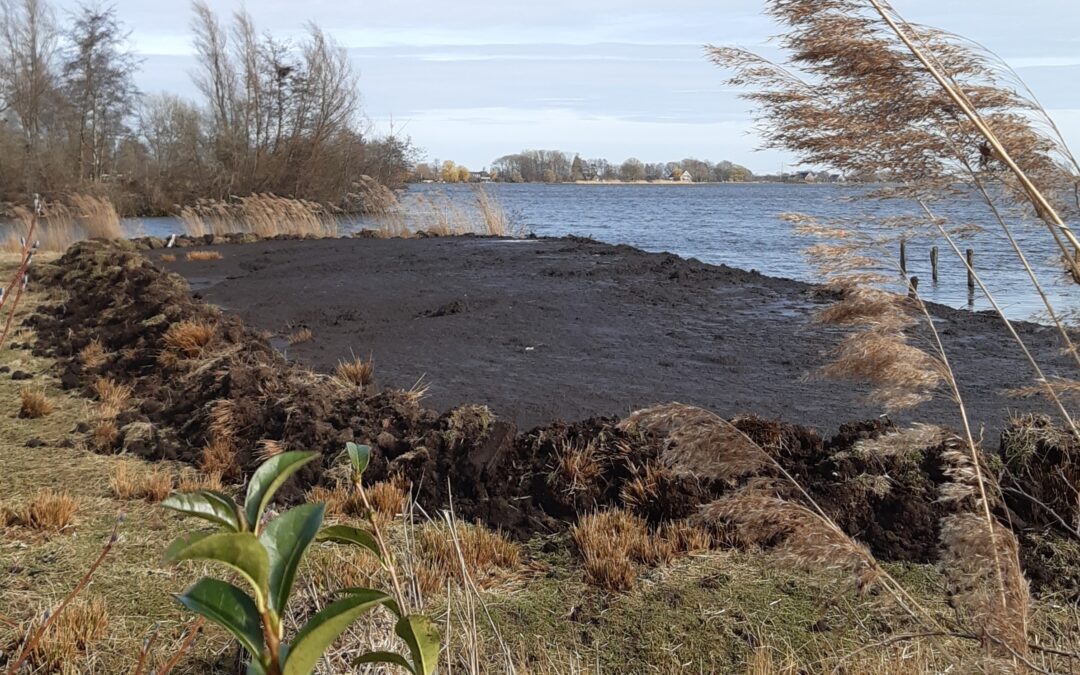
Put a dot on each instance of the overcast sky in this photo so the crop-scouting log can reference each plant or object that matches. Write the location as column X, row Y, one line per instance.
column 471, row 80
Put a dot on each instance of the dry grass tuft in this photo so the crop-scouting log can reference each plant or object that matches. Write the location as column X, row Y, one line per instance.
column 93, row 355
column 103, row 435
column 300, row 337
column 152, row 485
column 219, row 458
column 699, row 443
column 113, row 397
column 168, row 257
column 269, row 449
column 390, row 497
column 203, row 255
column 189, row 338
column 195, row 481
column 578, row 467
column 340, row 500
column 902, row 443
column 60, row 225
column 47, row 511
column 223, row 418
column 605, row 541
column 356, row 372
column 81, row 625
column 448, row 555
column 33, row 404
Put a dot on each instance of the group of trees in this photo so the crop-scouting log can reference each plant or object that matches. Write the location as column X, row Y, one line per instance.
column 275, row 115
column 553, row 166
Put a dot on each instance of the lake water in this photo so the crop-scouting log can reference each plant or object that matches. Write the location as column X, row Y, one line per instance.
column 739, row 225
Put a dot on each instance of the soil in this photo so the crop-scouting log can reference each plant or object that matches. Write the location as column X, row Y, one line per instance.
column 566, row 329
column 239, row 389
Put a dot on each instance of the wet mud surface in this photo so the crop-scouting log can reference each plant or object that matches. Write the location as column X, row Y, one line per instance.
column 566, row 329
column 236, row 391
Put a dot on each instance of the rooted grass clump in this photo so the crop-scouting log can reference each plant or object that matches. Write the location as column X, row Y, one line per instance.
column 47, row 511
column 447, row 554
column 152, row 485
column 219, row 458
column 356, row 372
column 73, row 634
column 203, row 256
column 33, row 404
column 189, row 338
column 300, row 337
column 167, row 257
column 113, row 397
column 93, row 355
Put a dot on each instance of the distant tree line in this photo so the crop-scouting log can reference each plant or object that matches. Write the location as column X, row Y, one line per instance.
column 275, row 115
column 554, row 166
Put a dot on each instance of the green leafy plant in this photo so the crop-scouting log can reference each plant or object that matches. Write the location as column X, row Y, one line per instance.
column 267, row 556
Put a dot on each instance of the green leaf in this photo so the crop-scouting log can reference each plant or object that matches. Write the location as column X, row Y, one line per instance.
column 239, row 550
column 181, row 543
column 422, row 636
column 208, row 505
column 286, row 539
column 345, row 534
column 384, row 657
column 229, row 606
column 359, row 455
column 268, row 478
column 320, row 632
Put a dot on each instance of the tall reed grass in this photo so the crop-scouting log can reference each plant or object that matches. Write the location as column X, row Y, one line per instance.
column 868, row 94
column 265, row 215
column 61, row 224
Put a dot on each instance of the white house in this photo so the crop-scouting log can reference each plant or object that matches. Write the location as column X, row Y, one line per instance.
column 686, row 177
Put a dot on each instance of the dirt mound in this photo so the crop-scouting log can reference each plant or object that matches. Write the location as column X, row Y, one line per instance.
column 202, row 381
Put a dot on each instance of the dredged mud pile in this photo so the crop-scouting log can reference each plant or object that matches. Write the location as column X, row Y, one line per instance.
column 239, row 386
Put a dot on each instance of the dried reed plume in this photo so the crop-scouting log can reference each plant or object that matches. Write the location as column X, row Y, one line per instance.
column 902, row 443
column 203, row 255
column 93, row 355
column 265, row 215
column 794, row 532
column 33, row 404
column 698, row 442
column 972, row 557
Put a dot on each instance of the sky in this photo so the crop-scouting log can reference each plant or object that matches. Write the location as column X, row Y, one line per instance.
column 472, row 80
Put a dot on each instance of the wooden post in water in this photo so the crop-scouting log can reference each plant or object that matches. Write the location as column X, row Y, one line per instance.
column 903, row 256
column 913, row 287
column 971, row 269
column 933, row 263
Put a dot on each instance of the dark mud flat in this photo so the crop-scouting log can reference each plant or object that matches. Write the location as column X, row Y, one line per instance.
column 567, row 329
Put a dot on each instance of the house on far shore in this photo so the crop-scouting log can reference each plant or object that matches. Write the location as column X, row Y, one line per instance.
column 479, row 177
column 686, row 177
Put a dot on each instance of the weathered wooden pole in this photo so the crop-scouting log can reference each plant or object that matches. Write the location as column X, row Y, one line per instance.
column 934, row 263
column 913, row 287
column 971, row 269
column 903, row 256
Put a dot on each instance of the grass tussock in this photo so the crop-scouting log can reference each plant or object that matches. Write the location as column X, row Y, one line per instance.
column 446, row 554
column 113, row 397
column 103, row 435
column 189, row 338
column 357, row 372
column 151, row 485
column 167, row 257
column 219, row 457
column 194, row 481
column 202, row 256
column 300, row 337
column 265, row 215
column 613, row 543
column 47, row 511
column 73, row 635
column 389, row 498
column 269, row 449
column 93, row 355
column 33, row 404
